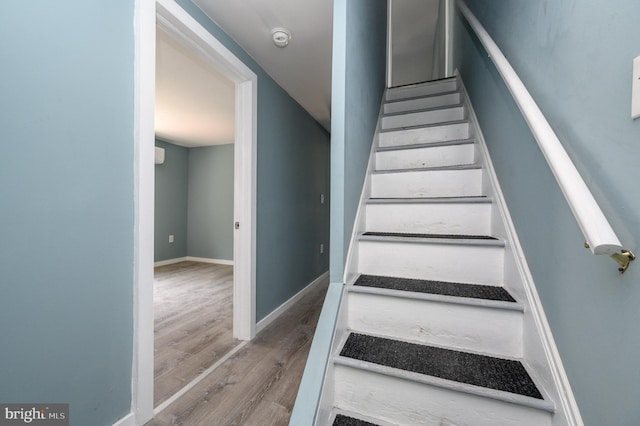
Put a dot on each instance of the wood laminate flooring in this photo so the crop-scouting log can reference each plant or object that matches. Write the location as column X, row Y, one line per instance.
column 259, row 383
column 193, row 310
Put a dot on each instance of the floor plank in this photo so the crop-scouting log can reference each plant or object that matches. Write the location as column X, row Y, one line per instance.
column 193, row 310
column 258, row 385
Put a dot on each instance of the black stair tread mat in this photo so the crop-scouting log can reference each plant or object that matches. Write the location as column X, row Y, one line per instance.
column 341, row 420
column 448, row 236
column 480, row 370
column 475, row 291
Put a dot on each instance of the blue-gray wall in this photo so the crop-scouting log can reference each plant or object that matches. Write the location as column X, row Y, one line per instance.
column 210, row 205
column 575, row 58
column 67, row 209
column 359, row 71
column 194, row 202
column 359, row 77
column 171, row 189
column 292, row 163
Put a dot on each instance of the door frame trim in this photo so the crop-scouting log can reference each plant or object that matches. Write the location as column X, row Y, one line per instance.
column 148, row 14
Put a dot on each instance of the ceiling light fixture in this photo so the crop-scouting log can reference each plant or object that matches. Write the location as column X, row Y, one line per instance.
column 281, row 36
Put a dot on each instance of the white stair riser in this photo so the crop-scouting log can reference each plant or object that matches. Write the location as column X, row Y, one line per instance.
column 425, row 157
column 406, row 402
column 422, row 103
column 423, row 117
column 432, row 183
column 466, row 327
column 426, row 89
column 430, row 218
column 442, row 133
column 473, row 264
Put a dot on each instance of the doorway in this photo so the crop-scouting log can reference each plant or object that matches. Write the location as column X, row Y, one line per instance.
column 182, row 25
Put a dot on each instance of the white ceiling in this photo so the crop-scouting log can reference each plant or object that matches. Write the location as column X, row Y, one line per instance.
column 194, row 102
column 303, row 68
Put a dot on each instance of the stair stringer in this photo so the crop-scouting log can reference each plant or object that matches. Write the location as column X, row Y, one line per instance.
column 324, row 410
column 539, row 349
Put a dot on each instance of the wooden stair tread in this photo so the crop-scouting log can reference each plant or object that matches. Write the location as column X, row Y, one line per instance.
column 426, row 200
column 419, row 110
column 424, row 126
column 468, row 141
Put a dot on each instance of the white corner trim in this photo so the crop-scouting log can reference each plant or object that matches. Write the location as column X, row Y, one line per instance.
column 559, row 375
column 128, row 420
column 350, row 265
column 144, row 194
column 390, row 43
column 176, row 20
column 448, row 56
column 208, row 260
column 170, row 261
column 292, row 301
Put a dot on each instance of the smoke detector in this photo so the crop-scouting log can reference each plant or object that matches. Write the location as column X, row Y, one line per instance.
column 281, row 36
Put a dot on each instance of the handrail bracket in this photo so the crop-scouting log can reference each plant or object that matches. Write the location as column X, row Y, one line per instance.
column 624, row 258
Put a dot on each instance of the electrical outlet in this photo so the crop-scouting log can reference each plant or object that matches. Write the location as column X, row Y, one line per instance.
column 635, row 89
column 321, row 248
column 171, row 238
column 321, row 198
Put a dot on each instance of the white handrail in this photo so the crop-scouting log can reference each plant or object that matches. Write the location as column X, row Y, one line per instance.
column 599, row 235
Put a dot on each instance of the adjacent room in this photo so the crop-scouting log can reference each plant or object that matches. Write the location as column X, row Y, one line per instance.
column 194, row 193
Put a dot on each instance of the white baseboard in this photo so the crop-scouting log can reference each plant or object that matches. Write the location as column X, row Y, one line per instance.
column 169, row 261
column 193, row 259
column 263, row 323
column 207, row 260
column 128, row 420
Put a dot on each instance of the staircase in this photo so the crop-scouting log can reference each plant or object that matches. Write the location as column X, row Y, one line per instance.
column 435, row 327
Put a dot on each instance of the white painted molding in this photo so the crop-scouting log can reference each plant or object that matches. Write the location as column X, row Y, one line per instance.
column 448, row 40
column 244, row 206
column 144, row 183
column 193, row 259
column 208, row 260
column 389, row 43
column 594, row 225
column 128, row 420
column 324, row 278
column 176, row 20
column 350, row 266
column 179, row 23
column 170, row 261
column 533, row 305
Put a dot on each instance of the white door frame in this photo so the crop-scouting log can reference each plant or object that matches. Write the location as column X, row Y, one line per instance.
column 172, row 17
